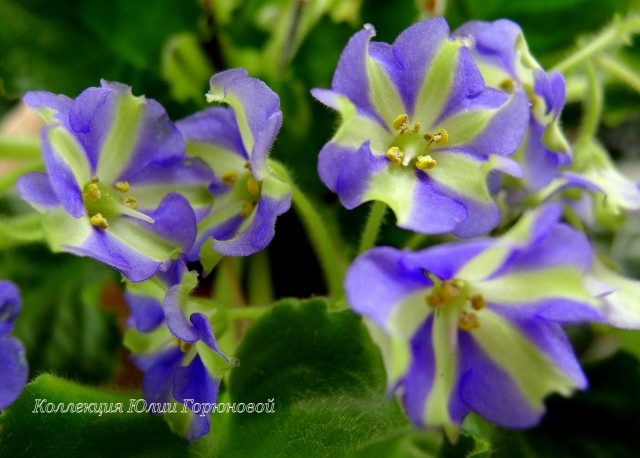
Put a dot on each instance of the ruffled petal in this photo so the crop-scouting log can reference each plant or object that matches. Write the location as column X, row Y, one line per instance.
column 146, row 312
column 159, row 369
column 36, row 188
column 10, row 305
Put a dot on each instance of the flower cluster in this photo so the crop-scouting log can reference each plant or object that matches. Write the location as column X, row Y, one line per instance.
column 426, row 123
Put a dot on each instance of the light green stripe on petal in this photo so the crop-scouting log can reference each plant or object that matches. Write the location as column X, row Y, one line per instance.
column 356, row 129
column 464, row 126
column 384, row 95
column 395, row 187
column 219, row 159
column 434, row 92
column 530, row 286
column 140, row 239
column 532, row 371
column 241, row 118
column 150, row 196
column 445, row 349
column 121, row 140
column 396, row 352
column 66, row 147
column 61, row 228
column 462, row 173
column 409, row 315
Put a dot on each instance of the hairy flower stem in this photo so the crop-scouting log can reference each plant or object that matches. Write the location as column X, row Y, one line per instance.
column 593, row 106
column 331, row 260
column 241, row 313
column 20, row 148
column 372, row 228
column 619, row 70
column 614, row 34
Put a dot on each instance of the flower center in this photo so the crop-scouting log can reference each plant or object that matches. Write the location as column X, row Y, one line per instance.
column 411, row 147
column 104, row 202
column 245, row 188
column 456, row 295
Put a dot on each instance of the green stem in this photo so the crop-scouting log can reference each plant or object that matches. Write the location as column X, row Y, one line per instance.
column 8, row 179
column 620, row 70
column 372, row 228
column 331, row 260
column 19, row 147
column 415, row 241
column 616, row 33
column 593, row 106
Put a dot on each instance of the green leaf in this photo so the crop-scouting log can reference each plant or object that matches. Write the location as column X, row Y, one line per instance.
column 325, row 377
column 61, row 323
column 407, row 443
column 27, row 429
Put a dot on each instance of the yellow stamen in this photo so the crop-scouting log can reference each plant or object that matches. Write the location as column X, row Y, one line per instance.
column 229, row 177
column 468, row 321
column 95, row 180
column 122, row 186
column 99, row 221
column 253, row 187
column 416, row 127
column 401, row 122
column 477, row 302
column 185, row 346
column 130, row 202
column 449, row 291
column 247, row 165
column 425, row 162
column 440, row 137
column 435, row 300
column 508, row 85
column 93, row 192
column 394, row 155
column 247, row 209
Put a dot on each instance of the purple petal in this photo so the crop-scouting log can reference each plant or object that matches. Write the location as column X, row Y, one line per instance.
column 36, row 188
column 419, row 378
column 10, row 305
column 378, row 280
column 40, row 100
column 146, row 312
column 445, row 260
column 494, row 42
column 433, row 212
column 414, row 50
column 347, row 171
column 193, row 382
column 541, row 165
column 488, row 390
column 260, row 108
column 174, row 221
column 62, row 179
column 260, row 231
column 15, row 371
column 159, row 369
column 350, row 77
column 217, row 126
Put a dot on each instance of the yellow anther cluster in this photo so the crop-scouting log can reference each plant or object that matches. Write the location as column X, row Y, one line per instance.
column 425, row 162
column 253, row 187
column 477, row 302
column 395, row 156
column 468, row 321
column 401, row 122
column 185, row 346
column 247, row 209
column 122, row 186
column 440, row 137
column 130, row 202
column 99, row 221
column 229, row 177
column 93, row 192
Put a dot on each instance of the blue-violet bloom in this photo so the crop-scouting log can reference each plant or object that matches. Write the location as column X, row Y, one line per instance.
column 115, row 164
column 501, row 53
column 12, row 355
column 465, row 326
column 420, row 131
column 173, row 344
column 249, row 191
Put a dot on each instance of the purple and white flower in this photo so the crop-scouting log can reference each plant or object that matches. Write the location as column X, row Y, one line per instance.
column 174, row 345
column 119, row 187
column 420, row 130
column 463, row 326
column 249, row 191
